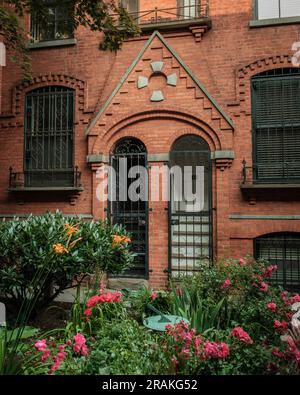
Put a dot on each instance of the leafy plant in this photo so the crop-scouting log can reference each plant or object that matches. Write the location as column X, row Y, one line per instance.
column 67, row 250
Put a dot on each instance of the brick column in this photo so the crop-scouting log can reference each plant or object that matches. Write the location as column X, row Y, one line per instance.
column 223, row 162
column 158, row 228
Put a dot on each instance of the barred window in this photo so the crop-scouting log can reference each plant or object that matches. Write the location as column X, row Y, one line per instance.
column 276, row 126
column 49, row 114
column 283, row 250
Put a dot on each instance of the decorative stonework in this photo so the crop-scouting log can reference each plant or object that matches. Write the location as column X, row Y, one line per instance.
column 157, row 69
column 223, row 164
column 46, row 80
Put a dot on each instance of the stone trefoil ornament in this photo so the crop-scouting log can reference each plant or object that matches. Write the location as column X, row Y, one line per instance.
column 157, row 69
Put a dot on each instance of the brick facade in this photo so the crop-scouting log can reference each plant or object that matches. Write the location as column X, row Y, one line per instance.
column 223, row 61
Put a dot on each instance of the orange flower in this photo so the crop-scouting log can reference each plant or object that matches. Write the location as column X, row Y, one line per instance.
column 119, row 240
column 70, row 229
column 59, row 249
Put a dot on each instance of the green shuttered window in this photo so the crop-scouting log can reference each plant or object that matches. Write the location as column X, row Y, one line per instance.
column 276, row 126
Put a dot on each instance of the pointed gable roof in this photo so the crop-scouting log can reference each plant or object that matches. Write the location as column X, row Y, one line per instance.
column 148, row 43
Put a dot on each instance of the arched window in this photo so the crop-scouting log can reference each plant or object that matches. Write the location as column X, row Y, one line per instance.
column 49, row 145
column 283, row 250
column 276, row 126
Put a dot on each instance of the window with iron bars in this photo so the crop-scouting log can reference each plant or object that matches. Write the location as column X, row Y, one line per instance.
column 49, row 133
column 273, row 9
column 57, row 26
column 276, row 126
column 283, row 250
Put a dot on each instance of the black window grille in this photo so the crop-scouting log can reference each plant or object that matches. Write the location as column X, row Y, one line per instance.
column 49, row 114
column 57, row 23
column 283, row 250
column 270, row 9
column 276, row 126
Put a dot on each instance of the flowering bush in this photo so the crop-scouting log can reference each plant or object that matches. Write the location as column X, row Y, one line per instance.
column 63, row 356
column 66, row 249
column 249, row 314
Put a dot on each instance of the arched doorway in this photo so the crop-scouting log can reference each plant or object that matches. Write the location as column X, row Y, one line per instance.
column 190, row 221
column 129, row 161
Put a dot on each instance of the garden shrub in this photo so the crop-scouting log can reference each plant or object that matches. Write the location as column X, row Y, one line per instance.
column 124, row 347
column 62, row 250
column 249, row 316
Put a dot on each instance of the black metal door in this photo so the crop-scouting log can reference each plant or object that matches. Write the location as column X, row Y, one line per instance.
column 190, row 228
column 132, row 214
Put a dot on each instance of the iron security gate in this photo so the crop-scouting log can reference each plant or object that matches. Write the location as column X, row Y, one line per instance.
column 132, row 214
column 283, row 250
column 190, row 226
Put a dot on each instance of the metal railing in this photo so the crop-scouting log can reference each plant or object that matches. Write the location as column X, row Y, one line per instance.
column 158, row 15
column 271, row 173
column 62, row 179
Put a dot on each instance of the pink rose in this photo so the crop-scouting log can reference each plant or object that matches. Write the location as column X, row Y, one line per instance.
column 241, row 335
column 272, row 307
column 242, row 262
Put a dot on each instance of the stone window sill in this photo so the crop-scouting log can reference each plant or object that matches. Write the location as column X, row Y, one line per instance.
column 53, row 43
column 274, row 21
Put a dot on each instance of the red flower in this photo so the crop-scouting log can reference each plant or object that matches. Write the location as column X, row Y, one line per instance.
column 293, row 299
column 226, row 284
column 216, row 350
column 241, row 335
column 93, row 301
column 154, row 295
column 87, row 312
column 283, row 325
column 269, row 270
column 272, row 307
column 263, row 287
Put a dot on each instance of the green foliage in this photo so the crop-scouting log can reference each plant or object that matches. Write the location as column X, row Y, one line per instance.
column 138, row 301
column 123, row 347
column 98, row 15
column 65, row 249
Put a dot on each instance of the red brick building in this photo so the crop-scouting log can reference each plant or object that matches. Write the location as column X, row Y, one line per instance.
column 208, row 83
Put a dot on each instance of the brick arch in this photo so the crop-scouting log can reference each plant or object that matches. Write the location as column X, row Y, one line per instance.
column 199, row 133
column 244, row 73
column 121, row 136
column 104, row 141
column 49, row 80
column 269, row 227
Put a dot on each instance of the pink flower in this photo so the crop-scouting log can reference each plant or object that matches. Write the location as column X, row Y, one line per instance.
column 58, row 359
column 84, row 350
column 277, row 353
column 185, row 352
column 269, row 270
column 79, row 342
column 263, row 287
column 272, row 307
column 41, row 345
column 216, row 350
column 93, row 301
column 281, row 325
column 87, row 312
column 241, row 335
column 294, row 349
column 242, row 262
column 293, row 299
column 45, row 355
column 154, row 295
column 226, row 284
